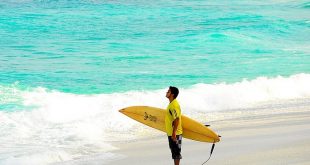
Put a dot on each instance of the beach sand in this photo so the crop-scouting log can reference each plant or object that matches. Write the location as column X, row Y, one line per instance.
column 272, row 134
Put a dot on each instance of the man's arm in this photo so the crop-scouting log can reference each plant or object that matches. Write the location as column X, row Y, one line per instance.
column 175, row 127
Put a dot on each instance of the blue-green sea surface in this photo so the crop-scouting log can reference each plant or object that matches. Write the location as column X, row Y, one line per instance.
column 89, row 47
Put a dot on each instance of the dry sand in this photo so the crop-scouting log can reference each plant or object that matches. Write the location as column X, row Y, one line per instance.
column 268, row 135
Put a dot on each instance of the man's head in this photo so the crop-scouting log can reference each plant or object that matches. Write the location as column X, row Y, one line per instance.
column 173, row 92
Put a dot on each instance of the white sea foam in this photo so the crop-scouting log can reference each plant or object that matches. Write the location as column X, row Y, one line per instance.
column 71, row 128
column 215, row 97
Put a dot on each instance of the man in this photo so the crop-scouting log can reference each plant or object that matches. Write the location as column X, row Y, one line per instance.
column 173, row 124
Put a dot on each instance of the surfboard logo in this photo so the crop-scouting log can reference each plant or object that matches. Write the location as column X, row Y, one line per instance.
column 150, row 117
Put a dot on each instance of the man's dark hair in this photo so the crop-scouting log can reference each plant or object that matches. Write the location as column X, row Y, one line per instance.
column 174, row 91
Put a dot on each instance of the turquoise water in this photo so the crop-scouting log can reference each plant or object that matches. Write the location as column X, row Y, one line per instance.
column 90, row 47
column 68, row 66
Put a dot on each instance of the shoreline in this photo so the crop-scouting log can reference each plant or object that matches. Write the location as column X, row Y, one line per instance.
column 260, row 137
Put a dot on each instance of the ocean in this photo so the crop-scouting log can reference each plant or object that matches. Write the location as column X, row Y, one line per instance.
column 67, row 67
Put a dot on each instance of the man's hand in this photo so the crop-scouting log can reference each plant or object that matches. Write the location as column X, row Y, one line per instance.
column 174, row 137
column 175, row 126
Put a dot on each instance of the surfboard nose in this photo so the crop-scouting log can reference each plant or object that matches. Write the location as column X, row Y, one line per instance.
column 121, row 110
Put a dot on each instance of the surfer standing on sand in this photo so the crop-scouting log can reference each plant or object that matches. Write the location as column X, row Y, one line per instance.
column 174, row 124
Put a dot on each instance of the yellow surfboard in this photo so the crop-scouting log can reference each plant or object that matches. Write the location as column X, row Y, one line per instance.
column 155, row 118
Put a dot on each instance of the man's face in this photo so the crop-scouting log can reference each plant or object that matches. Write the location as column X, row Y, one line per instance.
column 168, row 94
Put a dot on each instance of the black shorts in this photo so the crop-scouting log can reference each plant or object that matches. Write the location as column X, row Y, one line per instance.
column 175, row 147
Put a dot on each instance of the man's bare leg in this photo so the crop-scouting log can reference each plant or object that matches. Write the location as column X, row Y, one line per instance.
column 176, row 161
